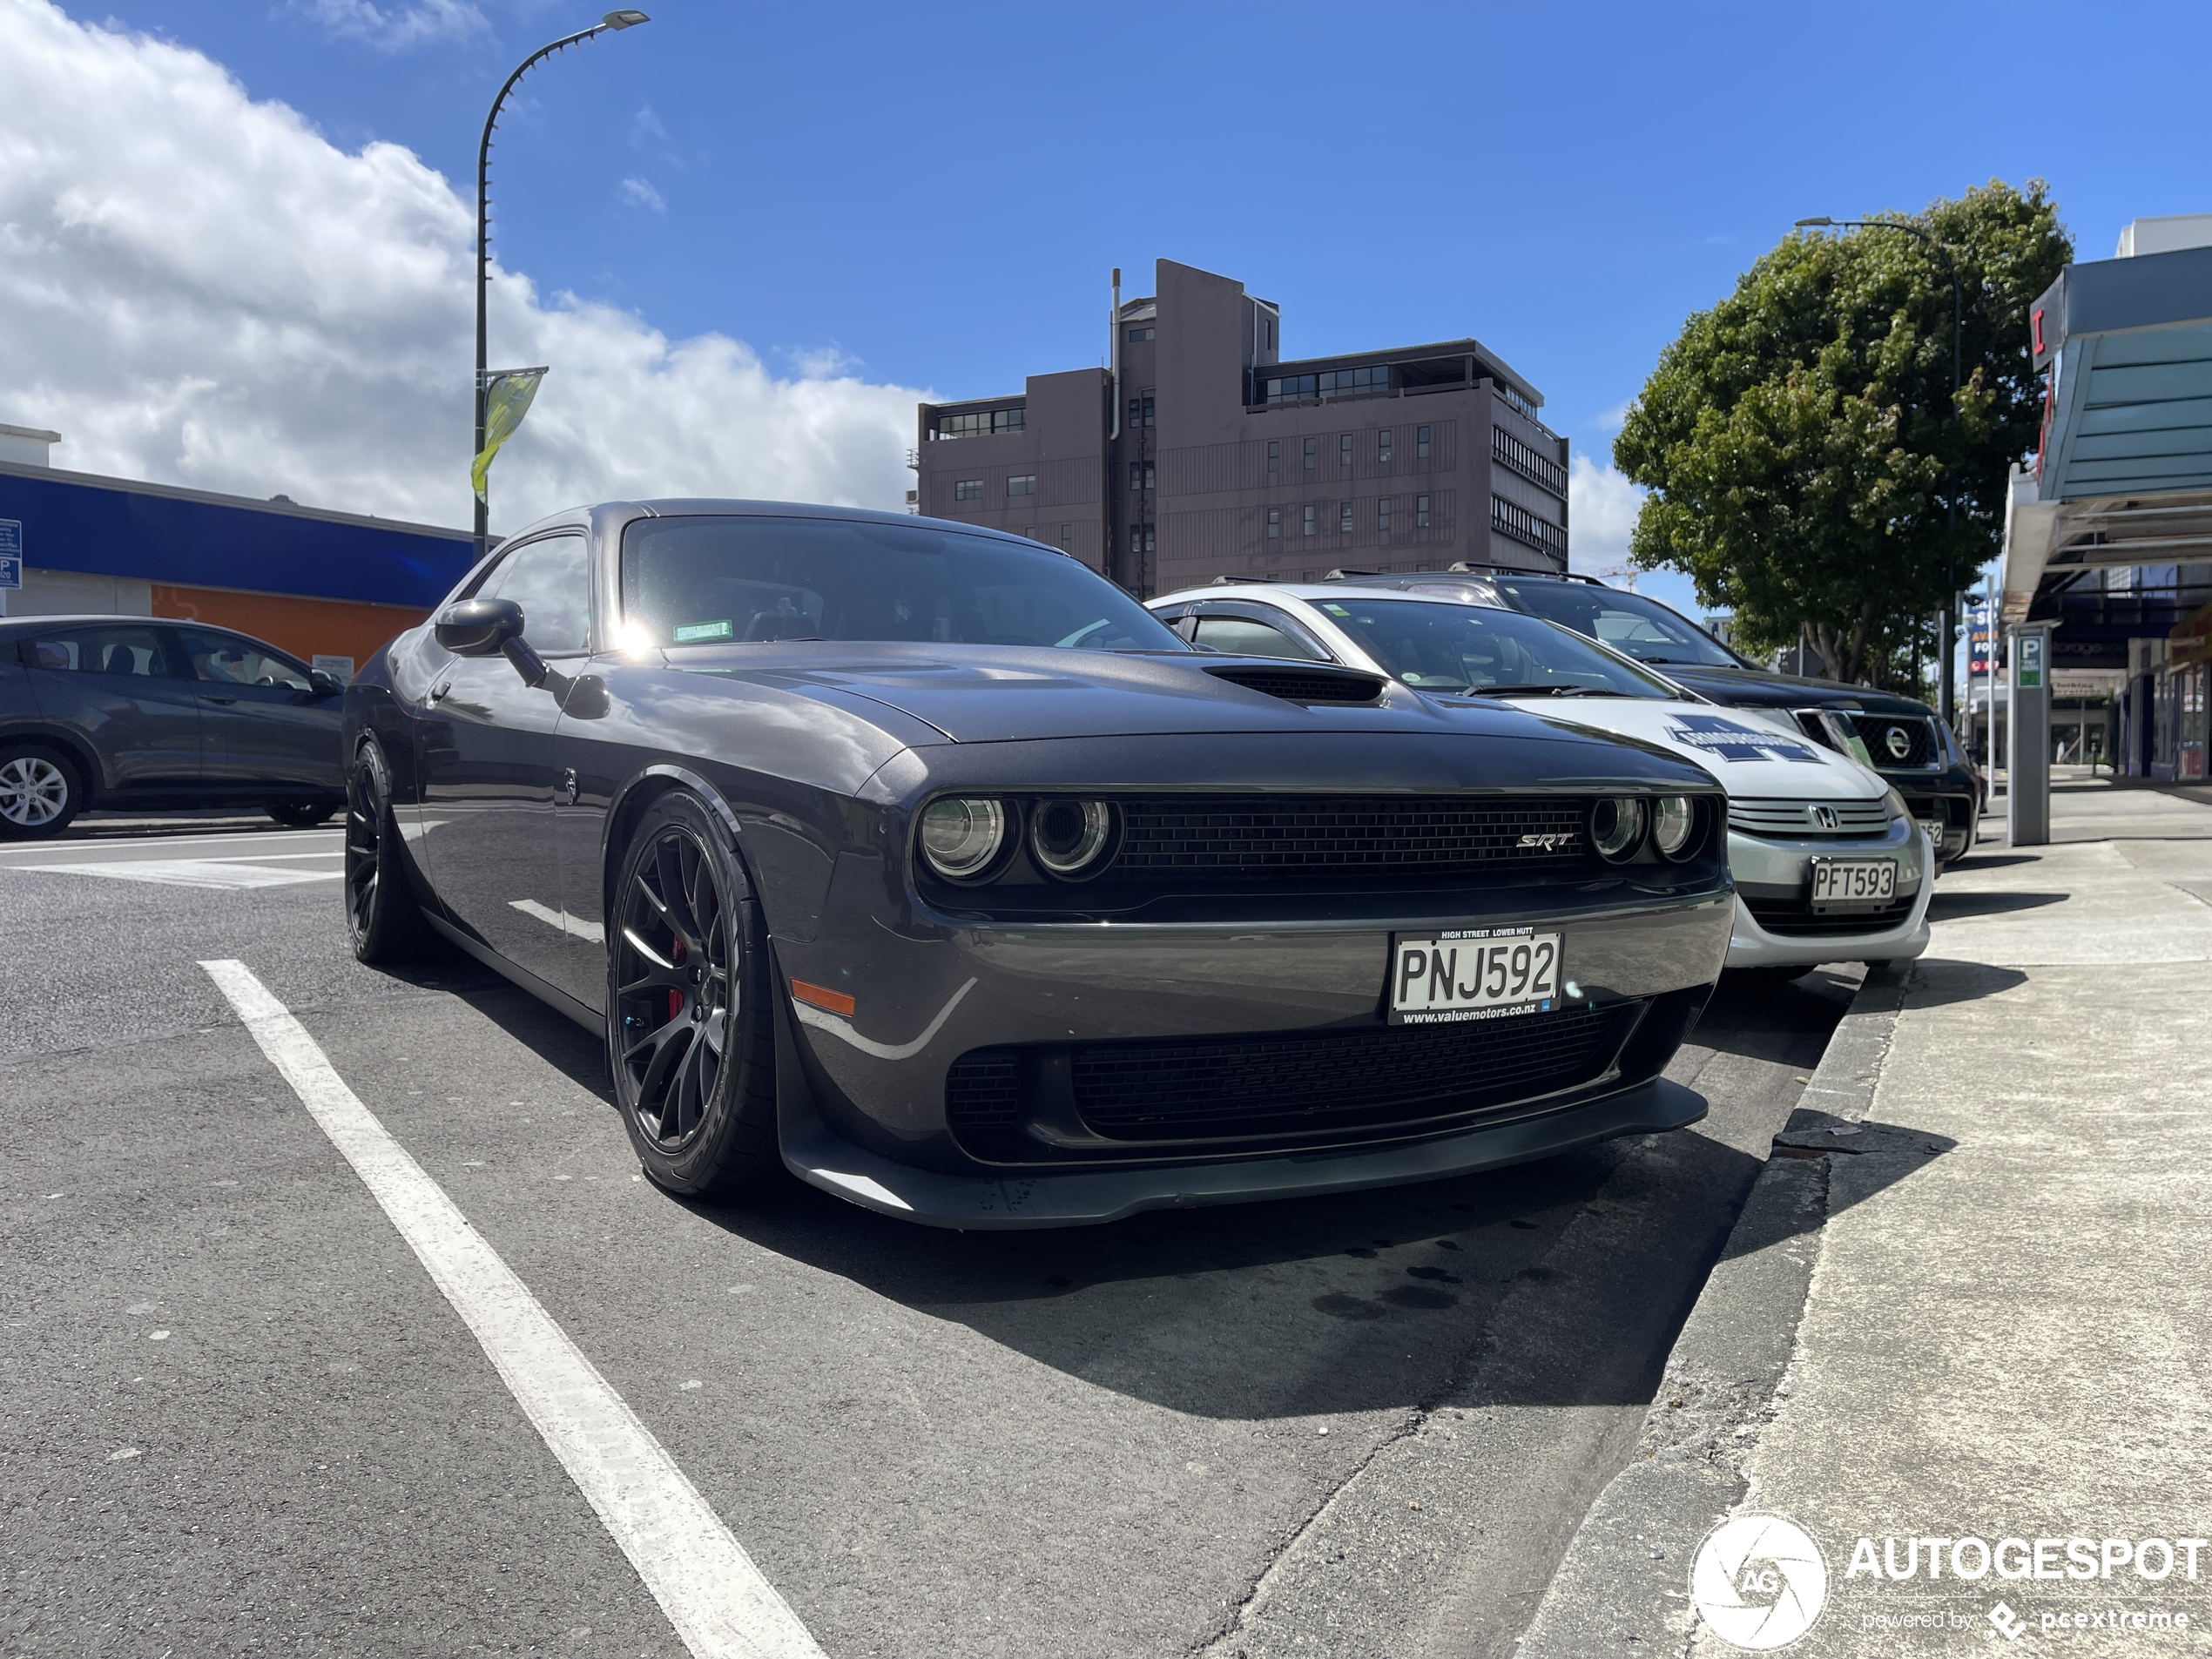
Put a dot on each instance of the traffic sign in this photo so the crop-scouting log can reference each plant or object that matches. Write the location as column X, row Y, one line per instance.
column 11, row 553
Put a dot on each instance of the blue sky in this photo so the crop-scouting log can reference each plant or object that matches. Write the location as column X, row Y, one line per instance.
column 937, row 192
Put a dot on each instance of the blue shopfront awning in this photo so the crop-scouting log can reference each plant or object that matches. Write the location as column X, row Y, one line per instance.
column 2128, row 346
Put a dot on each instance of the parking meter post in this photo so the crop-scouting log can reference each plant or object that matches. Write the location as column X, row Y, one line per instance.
column 2028, row 749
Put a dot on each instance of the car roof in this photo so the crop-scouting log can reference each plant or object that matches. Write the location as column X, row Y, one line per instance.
column 740, row 507
column 1312, row 592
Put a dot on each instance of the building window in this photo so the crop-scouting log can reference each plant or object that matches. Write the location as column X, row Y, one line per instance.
column 1538, row 468
column 1022, row 484
column 1140, row 474
column 1420, row 441
column 969, row 489
column 1140, row 411
column 1311, row 525
column 1313, row 453
column 1420, row 509
column 1382, row 446
column 1343, row 518
column 1343, row 383
column 1067, row 538
column 1139, row 336
column 1275, row 454
column 1141, row 538
column 1344, row 449
column 1271, row 333
column 1274, row 524
column 1382, row 517
column 979, row 424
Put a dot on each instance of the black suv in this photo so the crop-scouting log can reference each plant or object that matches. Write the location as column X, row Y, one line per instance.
column 1900, row 737
column 139, row 712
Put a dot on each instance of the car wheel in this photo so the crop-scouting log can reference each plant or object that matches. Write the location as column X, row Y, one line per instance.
column 300, row 814
column 382, row 918
column 690, row 1034
column 40, row 792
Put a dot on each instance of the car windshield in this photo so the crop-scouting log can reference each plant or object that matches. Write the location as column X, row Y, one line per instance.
column 1632, row 624
column 1473, row 647
column 708, row 581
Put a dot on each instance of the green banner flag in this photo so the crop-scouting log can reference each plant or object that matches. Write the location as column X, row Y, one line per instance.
column 507, row 393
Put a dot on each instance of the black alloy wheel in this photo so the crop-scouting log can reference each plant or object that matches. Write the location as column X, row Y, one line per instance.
column 383, row 919
column 40, row 792
column 689, row 1033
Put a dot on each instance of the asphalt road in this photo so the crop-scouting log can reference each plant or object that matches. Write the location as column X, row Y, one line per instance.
column 237, row 1415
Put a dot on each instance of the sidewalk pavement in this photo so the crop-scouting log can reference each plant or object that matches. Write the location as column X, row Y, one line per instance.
column 1967, row 1300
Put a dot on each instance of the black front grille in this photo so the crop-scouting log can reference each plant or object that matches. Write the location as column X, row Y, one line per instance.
column 1875, row 729
column 983, row 1089
column 1260, row 836
column 1793, row 918
column 1264, row 1085
column 1304, row 684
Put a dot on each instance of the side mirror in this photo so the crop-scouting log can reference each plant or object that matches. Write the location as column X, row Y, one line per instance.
column 321, row 685
column 479, row 627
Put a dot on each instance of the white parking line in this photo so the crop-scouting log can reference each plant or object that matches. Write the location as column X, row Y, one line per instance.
column 189, row 872
column 717, row 1600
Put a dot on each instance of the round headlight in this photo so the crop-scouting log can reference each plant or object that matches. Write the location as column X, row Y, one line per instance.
column 1616, row 827
column 1674, row 826
column 1068, row 837
column 961, row 838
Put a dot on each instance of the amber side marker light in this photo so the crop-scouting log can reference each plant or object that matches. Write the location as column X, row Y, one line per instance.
column 821, row 996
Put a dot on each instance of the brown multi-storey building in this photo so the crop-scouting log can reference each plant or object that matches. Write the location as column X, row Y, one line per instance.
column 1202, row 453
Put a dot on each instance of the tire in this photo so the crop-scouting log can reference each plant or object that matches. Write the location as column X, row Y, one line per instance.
column 690, row 1031
column 41, row 791
column 300, row 814
column 383, row 919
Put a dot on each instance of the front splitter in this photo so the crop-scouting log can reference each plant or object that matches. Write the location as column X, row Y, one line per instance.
column 1085, row 1197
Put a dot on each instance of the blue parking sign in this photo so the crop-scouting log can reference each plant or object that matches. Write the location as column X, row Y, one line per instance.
column 11, row 553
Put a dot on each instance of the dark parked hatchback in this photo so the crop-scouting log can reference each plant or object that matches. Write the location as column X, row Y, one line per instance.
column 139, row 713
column 1900, row 737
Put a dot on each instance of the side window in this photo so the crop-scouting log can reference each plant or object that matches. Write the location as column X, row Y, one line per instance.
column 1242, row 636
column 233, row 660
column 129, row 650
column 551, row 580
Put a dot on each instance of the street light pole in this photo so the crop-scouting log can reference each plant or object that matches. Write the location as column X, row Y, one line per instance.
column 1945, row 696
column 613, row 20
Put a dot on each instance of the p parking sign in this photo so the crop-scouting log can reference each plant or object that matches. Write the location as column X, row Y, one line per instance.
column 2031, row 661
column 11, row 553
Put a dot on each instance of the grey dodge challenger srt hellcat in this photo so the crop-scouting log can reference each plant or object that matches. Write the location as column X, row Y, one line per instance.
column 922, row 861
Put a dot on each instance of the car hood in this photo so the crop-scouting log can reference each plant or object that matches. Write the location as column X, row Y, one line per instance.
column 1762, row 688
column 1004, row 694
column 1752, row 753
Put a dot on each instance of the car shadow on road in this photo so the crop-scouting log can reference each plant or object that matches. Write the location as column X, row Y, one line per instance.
column 1953, row 906
column 1557, row 1283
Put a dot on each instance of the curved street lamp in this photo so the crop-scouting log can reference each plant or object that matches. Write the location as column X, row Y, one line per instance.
column 1946, row 646
column 613, row 20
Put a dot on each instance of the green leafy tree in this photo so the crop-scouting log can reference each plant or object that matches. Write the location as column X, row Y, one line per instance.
column 1808, row 466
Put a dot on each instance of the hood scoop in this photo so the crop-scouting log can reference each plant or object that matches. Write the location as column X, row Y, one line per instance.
column 1308, row 684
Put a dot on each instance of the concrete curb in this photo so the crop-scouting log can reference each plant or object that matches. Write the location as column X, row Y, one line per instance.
column 1621, row 1586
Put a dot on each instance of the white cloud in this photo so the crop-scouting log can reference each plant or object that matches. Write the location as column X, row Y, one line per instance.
column 198, row 289
column 393, row 29
column 639, row 192
column 1601, row 512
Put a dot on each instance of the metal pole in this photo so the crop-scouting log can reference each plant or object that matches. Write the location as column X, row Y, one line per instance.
column 615, row 20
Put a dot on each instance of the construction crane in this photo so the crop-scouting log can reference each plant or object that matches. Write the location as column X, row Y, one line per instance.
column 1626, row 574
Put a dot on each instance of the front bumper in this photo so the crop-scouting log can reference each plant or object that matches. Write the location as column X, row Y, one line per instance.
column 1773, row 927
column 871, row 1084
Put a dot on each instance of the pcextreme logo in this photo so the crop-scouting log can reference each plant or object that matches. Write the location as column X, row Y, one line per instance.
column 1759, row 1580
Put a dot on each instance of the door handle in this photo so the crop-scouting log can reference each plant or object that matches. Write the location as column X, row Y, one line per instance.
column 224, row 702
